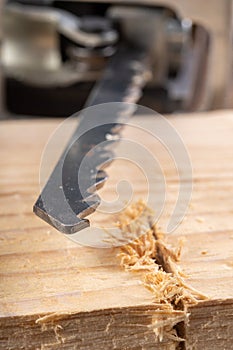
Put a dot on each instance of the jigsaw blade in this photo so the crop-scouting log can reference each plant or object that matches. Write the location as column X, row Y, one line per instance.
column 67, row 198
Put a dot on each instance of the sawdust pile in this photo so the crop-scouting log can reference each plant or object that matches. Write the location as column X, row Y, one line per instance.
column 150, row 253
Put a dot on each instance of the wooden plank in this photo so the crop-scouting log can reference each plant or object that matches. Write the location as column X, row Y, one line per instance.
column 84, row 293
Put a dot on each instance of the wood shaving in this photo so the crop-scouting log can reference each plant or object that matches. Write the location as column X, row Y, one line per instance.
column 201, row 220
column 150, row 254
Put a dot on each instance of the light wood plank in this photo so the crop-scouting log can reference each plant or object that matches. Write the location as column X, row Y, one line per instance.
column 42, row 272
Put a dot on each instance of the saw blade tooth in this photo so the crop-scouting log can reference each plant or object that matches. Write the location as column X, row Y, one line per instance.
column 98, row 160
column 117, row 128
column 101, row 174
column 112, row 137
column 88, row 206
column 93, row 186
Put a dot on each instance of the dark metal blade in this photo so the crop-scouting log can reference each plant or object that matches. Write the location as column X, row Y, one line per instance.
column 69, row 195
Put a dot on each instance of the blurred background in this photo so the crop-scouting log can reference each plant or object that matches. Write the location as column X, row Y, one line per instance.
column 53, row 52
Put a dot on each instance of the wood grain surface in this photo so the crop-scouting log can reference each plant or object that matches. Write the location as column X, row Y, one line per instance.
column 56, row 294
